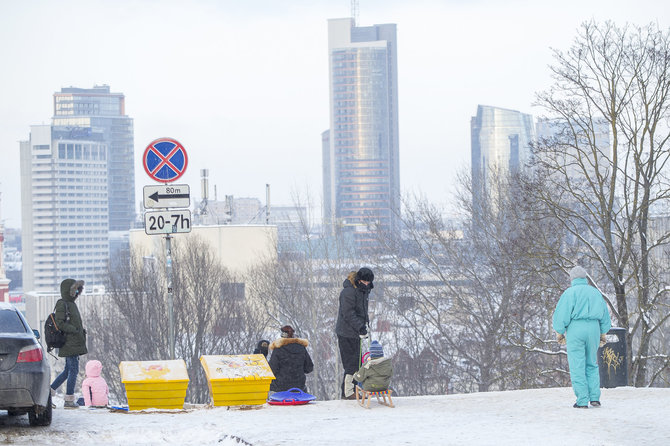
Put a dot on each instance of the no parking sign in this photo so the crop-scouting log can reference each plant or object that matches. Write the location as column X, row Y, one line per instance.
column 165, row 160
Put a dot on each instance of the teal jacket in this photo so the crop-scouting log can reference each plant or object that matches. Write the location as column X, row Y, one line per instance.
column 75, row 335
column 581, row 302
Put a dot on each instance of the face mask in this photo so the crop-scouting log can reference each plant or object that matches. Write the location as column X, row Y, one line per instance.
column 363, row 286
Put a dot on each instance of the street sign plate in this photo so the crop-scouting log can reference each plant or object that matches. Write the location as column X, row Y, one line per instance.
column 167, row 222
column 167, row 196
column 165, row 160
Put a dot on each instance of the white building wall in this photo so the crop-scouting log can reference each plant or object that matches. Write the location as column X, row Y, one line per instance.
column 238, row 247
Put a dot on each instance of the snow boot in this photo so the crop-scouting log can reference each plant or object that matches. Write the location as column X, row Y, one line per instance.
column 69, row 402
column 577, row 406
column 595, row 403
column 53, row 394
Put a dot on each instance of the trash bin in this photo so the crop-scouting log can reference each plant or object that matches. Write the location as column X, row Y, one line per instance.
column 612, row 360
column 237, row 380
column 155, row 384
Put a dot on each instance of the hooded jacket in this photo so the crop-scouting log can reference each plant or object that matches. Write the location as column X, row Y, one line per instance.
column 289, row 362
column 375, row 374
column 581, row 301
column 352, row 316
column 75, row 337
column 94, row 387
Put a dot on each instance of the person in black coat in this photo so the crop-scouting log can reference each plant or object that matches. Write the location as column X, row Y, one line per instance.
column 352, row 324
column 289, row 361
column 262, row 348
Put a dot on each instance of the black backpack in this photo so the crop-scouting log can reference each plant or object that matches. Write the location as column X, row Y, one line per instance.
column 54, row 336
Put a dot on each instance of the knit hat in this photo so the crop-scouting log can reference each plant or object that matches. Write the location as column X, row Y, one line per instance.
column 577, row 273
column 365, row 274
column 365, row 357
column 376, row 350
column 287, row 331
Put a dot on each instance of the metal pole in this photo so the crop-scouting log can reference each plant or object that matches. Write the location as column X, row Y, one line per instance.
column 168, row 261
column 267, row 204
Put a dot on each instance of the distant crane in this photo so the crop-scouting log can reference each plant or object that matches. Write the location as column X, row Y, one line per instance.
column 354, row 11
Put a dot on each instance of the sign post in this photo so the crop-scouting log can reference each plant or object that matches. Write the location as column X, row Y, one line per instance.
column 165, row 160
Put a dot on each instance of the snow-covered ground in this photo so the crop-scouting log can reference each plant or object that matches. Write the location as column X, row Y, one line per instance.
column 629, row 416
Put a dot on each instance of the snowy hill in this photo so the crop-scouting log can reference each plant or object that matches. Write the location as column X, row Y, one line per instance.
column 527, row 417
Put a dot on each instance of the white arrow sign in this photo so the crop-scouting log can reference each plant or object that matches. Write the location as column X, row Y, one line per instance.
column 167, row 196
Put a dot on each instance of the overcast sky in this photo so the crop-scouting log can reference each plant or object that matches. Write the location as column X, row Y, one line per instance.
column 243, row 84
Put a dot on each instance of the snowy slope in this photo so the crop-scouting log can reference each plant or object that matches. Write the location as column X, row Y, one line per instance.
column 629, row 416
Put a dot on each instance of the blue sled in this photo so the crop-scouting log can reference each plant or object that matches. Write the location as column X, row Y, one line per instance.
column 290, row 397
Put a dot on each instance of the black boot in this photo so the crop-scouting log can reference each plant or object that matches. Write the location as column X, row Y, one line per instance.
column 577, row 406
column 595, row 403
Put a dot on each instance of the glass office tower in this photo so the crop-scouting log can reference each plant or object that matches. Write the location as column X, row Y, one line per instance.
column 360, row 150
column 77, row 185
column 80, row 112
column 500, row 142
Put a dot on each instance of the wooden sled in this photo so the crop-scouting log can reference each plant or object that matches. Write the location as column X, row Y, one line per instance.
column 363, row 397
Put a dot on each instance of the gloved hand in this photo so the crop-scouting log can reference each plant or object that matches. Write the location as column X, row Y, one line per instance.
column 603, row 340
column 560, row 338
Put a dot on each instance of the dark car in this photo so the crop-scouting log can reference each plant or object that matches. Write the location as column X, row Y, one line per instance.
column 24, row 371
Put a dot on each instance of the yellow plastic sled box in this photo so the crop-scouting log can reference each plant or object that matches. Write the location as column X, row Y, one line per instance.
column 237, row 380
column 155, row 384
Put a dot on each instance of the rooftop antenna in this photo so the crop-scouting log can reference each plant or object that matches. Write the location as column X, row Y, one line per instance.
column 204, row 191
column 354, row 11
column 267, row 204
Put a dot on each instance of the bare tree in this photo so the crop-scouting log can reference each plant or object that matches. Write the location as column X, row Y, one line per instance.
column 472, row 292
column 605, row 162
column 212, row 313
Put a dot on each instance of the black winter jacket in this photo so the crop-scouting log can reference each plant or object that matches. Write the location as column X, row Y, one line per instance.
column 289, row 363
column 352, row 317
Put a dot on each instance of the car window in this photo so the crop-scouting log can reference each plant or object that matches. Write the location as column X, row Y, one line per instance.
column 10, row 322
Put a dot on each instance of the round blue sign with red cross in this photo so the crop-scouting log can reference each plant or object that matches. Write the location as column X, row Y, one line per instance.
column 165, row 160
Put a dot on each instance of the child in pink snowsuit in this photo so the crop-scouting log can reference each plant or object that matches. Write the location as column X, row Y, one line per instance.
column 94, row 387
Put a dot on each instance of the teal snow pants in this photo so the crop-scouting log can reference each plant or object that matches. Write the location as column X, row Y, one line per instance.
column 583, row 338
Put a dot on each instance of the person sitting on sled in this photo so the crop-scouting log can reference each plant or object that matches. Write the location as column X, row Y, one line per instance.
column 289, row 361
column 376, row 372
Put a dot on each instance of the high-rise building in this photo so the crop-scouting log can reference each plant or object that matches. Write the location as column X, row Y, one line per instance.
column 360, row 150
column 70, row 183
column 78, row 112
column 4, row 282
column 500, row 142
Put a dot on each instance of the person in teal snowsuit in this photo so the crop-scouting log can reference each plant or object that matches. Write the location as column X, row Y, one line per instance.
column 581, row 320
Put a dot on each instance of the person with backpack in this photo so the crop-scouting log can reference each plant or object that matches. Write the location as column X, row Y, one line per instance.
column 352, row 324
column 289, row 361
column 94, row 387
column 69, row 322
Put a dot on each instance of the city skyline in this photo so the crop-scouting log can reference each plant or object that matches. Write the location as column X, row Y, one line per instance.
column 238, row 83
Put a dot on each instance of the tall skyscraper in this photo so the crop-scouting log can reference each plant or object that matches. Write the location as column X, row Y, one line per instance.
column 4, row 282
column 80, row 111
column 500, row 141
column 360, row 150
column 70, row 179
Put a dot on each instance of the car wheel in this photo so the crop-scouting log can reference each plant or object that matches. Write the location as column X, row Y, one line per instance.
column 43, row 418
